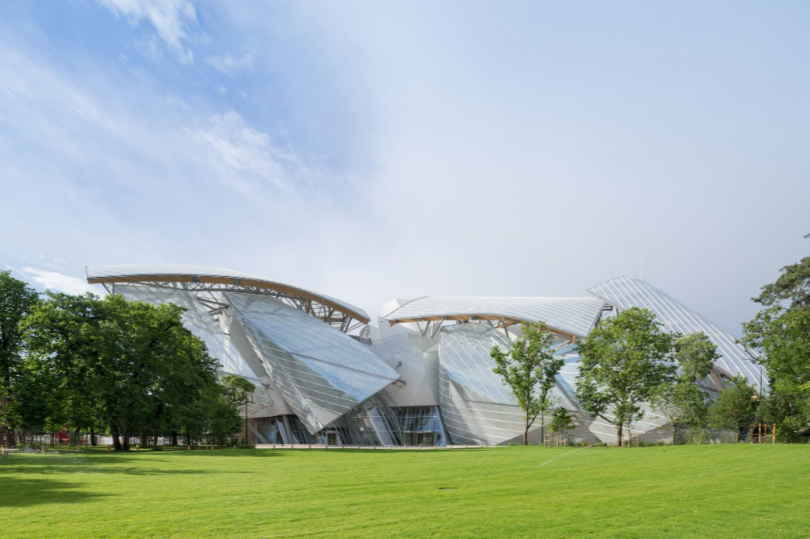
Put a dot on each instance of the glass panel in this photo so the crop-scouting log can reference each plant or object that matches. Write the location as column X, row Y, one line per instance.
column 322, row 372
column 626, row 292
column 421, row 425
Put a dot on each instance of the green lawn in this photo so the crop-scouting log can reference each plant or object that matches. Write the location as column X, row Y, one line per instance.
column 689, row 491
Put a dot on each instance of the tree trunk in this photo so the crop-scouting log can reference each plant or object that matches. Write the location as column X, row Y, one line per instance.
column 543, row 427
column 93, row 440
column 674, row 433
column 619, row 434
column 127, row 434
column 116, row 436
column 526, row 429
column 155, row 441
column 174, row 438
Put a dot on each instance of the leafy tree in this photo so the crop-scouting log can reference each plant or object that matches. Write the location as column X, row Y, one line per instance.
column 683, row 403
column 562, row 421
column 530, row 370
column 735, row 408
column 238, row 391
column 783, row 337
column 695, row 355
column 222, row 413
column 624, row 361
column 793, row 285
column 129, row 364
column 781, row 331
column 16, row 301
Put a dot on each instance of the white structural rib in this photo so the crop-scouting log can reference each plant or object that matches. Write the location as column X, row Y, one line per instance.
column 627, row 291
column 572, row 316
column 193, row 273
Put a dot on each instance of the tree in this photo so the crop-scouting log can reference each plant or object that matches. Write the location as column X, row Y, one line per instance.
column 562, row 421
column 530, row 370
column 129, row 364
column 683, row 403
column 238, row 391
column 783, row 338
column 695, row 355
column 781, row 332
column 16, row 301
column 222, row 415
column 735, row 408
column 793, row 285
column 624, row 361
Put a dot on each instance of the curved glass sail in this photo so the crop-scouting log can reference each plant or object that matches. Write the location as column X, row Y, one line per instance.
column 464, row 352
column 202, row 325
column 322, row 372
column 625, row 292
column 197, row 320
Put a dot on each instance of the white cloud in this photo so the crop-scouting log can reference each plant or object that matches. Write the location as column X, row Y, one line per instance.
column 57, row 282
column 170, row 18
column 250, row 154
column 230, row 65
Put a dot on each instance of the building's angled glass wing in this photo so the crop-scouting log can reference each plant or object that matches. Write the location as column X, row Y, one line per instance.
column 464, row 352
column 197, row 320
column 202, row 325
column 322, row 372
column 626, row 292
column 574, row 316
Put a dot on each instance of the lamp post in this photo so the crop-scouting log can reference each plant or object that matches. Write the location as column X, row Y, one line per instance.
column 248, row 399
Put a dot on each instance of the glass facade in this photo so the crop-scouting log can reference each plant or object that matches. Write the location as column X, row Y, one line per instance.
column 464, row 352
column 201, row 324
column 322, row 372
column 429, row 382
column 421, row 425
column 626, row 292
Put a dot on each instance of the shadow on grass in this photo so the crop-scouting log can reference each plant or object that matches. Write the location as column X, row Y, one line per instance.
column 15, row 492
column 100, row 464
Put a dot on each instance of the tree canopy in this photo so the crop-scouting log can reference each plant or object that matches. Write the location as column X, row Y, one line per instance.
column 624, row 361
column 128, row 366
column 735, row 408
column 781, row 333
column 530, row 369
column 16, row 301
column 793, row 285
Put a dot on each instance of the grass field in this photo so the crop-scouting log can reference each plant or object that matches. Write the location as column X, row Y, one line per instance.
column 688, row 491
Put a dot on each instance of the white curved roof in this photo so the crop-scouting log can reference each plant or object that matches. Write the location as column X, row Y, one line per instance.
column 573, row 316
column 187, row 272
column 627, row 291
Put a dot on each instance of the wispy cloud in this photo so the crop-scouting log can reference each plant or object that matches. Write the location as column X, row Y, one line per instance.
column 170, row 18
column 231, row 65
column 57, row 282
column 250, row 154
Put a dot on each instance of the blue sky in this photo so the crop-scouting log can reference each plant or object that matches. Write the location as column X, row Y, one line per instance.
column 373, row 150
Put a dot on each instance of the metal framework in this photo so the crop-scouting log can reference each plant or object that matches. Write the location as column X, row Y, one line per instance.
column 208, row 290
column 569, row 318
column 434, row 324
